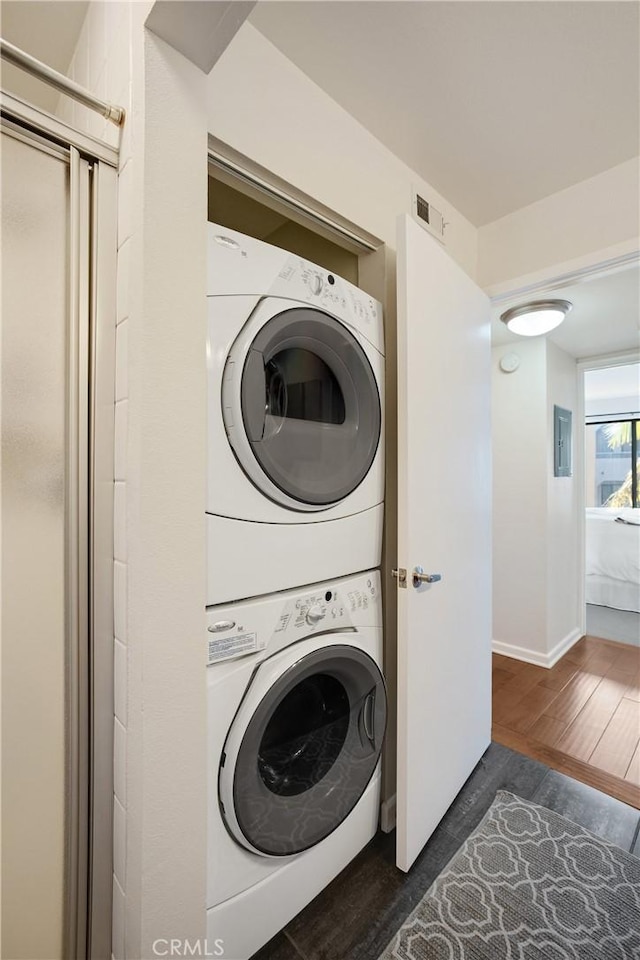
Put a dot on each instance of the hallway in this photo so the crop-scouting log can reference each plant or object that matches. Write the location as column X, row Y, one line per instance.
column 581, row 717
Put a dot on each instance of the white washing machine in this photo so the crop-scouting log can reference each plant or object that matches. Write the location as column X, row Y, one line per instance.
column 295, row 359
column 296, row 720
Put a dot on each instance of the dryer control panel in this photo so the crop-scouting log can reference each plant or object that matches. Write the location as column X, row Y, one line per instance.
column 242, row 629
column 240, row 264
column 300, row 280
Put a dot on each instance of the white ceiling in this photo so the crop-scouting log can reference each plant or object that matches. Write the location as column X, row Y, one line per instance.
column 49, row 31
column 605, row 317
column 610, row 383
column 496, row 104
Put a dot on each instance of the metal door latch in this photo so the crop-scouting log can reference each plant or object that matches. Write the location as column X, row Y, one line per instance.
column 419, row 577
column 401, row 576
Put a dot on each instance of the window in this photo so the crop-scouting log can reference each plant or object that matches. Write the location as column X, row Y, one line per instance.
column 612, row 463
column 604, row 448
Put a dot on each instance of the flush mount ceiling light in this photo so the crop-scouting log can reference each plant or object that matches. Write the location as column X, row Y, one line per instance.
column 540, row 316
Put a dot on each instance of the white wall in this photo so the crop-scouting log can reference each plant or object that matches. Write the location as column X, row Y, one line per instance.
column 109, row 45
column 536, row 558
column 518, row 412
column 586, row 223
column 267, row 108
column 102, row 62
column 166, row 458
column 611, row 405
column 159, row 498
column 563, row 497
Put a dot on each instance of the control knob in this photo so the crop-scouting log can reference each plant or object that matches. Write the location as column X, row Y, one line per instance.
column 315, row 283
column 315, row 614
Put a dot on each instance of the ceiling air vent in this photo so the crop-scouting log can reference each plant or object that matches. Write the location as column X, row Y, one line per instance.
column 428, row 216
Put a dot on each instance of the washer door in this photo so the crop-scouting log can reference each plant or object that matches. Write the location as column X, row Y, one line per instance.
column 310, row 409
column 296, row 763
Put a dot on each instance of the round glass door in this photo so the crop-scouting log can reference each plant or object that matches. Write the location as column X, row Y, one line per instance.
column 309, row 751
column 310, row 406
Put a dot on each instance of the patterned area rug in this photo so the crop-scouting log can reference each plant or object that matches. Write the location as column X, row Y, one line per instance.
column 527, row 885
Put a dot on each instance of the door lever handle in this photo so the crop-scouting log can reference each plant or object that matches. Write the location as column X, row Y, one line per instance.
column 419, row 577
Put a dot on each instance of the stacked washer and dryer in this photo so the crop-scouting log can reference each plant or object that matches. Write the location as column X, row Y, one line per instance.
column 296, row 698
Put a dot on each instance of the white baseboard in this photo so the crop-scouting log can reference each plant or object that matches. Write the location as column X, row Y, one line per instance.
column 565, row 644
column 388, row 815
column 519, row 653
column 534, row 656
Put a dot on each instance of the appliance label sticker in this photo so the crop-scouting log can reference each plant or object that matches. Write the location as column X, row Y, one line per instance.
column 226, row 648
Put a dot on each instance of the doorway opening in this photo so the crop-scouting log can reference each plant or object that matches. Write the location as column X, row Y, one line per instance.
column 612, row 503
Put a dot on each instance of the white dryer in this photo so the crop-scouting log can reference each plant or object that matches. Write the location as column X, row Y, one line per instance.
column 296, row 720
column 295, row 360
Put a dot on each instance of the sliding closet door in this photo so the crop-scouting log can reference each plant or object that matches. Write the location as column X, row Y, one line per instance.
column 44, row 564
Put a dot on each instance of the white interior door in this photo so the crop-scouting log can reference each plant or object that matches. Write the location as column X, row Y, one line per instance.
column 444, row 526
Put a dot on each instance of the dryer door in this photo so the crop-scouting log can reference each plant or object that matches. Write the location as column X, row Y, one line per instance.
column 300, row 755
column 309, row 409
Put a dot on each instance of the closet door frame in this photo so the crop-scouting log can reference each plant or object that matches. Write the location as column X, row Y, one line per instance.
column 104, row 224
column 89, row 557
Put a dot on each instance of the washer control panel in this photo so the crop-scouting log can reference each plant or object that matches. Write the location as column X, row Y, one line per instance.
column 315, row 614
column 243, row 629
column 328, row 609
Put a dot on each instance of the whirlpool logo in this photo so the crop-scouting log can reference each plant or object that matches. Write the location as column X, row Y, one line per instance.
column 188, row 948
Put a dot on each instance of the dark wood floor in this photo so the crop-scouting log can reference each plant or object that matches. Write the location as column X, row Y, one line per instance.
column 581, row 717
column 355, row 916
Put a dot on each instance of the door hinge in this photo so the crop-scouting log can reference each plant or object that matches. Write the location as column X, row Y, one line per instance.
column 401, row 576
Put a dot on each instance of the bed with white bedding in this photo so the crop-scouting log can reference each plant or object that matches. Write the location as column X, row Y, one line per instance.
column 613, row 557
